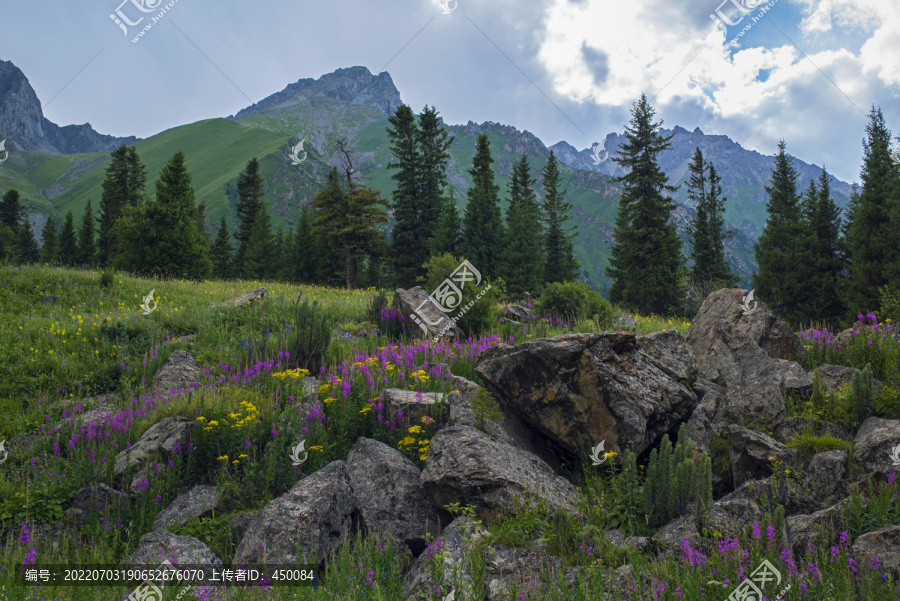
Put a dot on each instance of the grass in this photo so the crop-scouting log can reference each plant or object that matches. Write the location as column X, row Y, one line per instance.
column 94, row 340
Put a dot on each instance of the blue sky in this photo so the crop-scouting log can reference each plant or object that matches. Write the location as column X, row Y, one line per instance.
column 807, row 71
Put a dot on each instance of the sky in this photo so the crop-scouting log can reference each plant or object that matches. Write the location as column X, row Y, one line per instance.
column 807, row 71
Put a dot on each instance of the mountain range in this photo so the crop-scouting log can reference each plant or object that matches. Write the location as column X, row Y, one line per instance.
column 58, row 169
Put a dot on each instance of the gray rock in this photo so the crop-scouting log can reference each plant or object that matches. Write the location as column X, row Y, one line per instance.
column 432, row 404
column 882, row 544
column 875, row 443
column 580, row 389
column 823, row 474
column 180, row 372
column 197, row 502
column 247, row 299
column 98, row 499
column 435, row 321
column 836, row 376
column 315, row 514
column 453, row 547
column 49, row 298
column 160, row 438
column 518, row 313
column 466, row 466
column 513, row 572
column 752, row 452
column 764, row 493
column 161, row 545
column 239, row 525
column 772, row 335
column 388, row 495
column 627, row 322
column 618, row 539
column 787, row 430
column 707, row 420
column 815, row 528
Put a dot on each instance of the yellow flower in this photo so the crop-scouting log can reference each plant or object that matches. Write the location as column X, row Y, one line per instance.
column 409, row 440
column 316, row 448
column 201, row 419
column 365, row 409
column 222, row 458
column 423, row 457
column 235, row 461
column 214, row 423
column 415, row 430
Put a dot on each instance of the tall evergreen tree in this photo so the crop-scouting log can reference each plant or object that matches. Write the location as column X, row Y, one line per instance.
column 708, row 253
column 784, row 270
column 49, row 247
column 26, row 246
column 87, row 246
column 523, row 252
column 68, row 246
column 647, row 254
column 306, row 256
column 447, row 236
column 286, row 258
column 559, row 250
column 250, row 194
column 11, row 210
column 433, row 143
column 221, row 252
column 162, row 237
column 873, row 244
column 483, row 234
column 126, row 179
column 407, row 250
column 257, row 261
column 824, row 230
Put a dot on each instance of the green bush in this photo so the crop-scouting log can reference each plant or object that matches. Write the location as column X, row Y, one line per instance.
column 810, row 444
column 107, row 278
column 861, row 384
column 574, row 300
column 310, row 337
column 676, row 482
column 890, row 305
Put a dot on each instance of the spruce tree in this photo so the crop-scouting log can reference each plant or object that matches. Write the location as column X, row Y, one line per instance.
column 257, row 262
column 68, row 247
column 49, row 248
column 523, row 252
column 250, row 194
column 783, row 259
column 822, row 220
column 559, row 250
column 11, row 210
column 408, row 252
column 126, row 179
column 483, row 235
column 221, row 252
column 87, row 247
column 720, row 270
column 874, row 245
column 447, row 236
column 647, row 254
column 433, row 144
column 306, row 257
column 7, row 241
column 286, row 258
column 26, row 246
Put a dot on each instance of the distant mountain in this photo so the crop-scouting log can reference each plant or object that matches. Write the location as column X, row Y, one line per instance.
column 744, row 173
column 355, row 85
column 23, row 125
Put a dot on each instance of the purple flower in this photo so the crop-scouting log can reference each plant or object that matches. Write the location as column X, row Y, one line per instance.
column 30, row 557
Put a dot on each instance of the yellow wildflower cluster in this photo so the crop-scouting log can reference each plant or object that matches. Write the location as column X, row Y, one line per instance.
column 316, row 448
column 421, row 375
column 291, row 373
column 237, row 420
column 410, row 442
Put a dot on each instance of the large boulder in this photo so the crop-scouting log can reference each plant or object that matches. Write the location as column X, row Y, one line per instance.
column 752, row 453
column 316, row 514
column 467, row 466
column 415, row 405
column 882, row 546
column 791, row 427
column 180, row 372
column 99, row 499
column 514, row 571
column 580, row 389
column 418, row 311
column 878, row 443
column 246, row 299
column 388, row 495
column 162, row 437
column 768, row 491
column 708, row 419
column 824, row 473
column 835, row 376
column 452, row 549
column 197, row 502
column 158, row 546
column 807, row 532
column 772, row 335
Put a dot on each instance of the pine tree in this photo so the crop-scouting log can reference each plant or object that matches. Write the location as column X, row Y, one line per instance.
column 26, row 246
column 305, row 249
column 407, row 251
column 447, row 236
column 250, row 194
column 780, row 251
column 200, row 218
column 433, row 143
column 349, row 219
column 721, row 271
column 68, row 247
column 874, row 245
column 221, row 252
column 647, row 254
column 126, row 179
column 523, row 252
column 257, row 261
column 87, row 248
column 559, row 250
column 286, row 258
column 11, row 210
column 483, row 233
column 49, row 248
column 707, row 230
column 162, row 237
column 823, row 222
